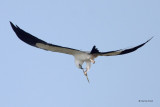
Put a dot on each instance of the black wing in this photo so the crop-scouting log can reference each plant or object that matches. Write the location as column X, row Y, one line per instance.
column 122, row 51
column 34, row 41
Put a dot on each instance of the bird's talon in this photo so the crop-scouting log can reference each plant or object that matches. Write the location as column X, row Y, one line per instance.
column 92, row 61
column 85, row 73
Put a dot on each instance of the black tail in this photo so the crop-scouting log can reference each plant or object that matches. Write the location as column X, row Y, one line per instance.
column 94, row 50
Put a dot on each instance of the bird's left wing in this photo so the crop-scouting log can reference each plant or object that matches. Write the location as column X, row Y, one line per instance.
column 34, row 41
column 122, row 51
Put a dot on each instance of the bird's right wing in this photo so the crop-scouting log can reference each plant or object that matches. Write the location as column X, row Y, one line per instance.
column 36, row 42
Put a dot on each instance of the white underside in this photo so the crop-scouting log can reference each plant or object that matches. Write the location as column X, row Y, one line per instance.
column 81, row 58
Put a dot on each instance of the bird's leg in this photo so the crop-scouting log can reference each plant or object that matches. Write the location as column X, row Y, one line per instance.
column 92, row 61
column 80, row 66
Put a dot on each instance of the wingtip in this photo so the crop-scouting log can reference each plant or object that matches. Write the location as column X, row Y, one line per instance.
column 11, row 23
column 149, row 40
column 14, row 26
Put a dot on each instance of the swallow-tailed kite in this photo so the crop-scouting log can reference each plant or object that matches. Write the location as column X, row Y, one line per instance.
column 80, row 56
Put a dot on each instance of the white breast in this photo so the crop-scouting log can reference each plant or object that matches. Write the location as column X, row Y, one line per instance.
column 81, row 58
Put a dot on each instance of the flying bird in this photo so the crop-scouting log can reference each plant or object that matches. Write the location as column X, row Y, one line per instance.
column 80, row 56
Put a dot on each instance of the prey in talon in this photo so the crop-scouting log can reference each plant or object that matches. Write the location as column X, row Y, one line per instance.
column 85, row 73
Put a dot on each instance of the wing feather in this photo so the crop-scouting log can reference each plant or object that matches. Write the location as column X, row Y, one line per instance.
column 122, row 51
column 36, row 42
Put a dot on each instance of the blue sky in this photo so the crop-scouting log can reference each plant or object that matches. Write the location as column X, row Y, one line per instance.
column 30, row 77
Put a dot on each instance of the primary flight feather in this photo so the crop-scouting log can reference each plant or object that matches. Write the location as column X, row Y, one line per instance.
column 80, row 56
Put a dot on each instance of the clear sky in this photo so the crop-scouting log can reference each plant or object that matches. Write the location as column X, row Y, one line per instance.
column 31, row 77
